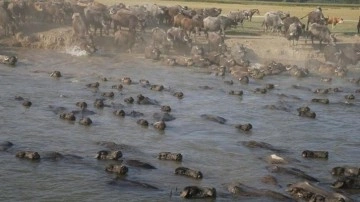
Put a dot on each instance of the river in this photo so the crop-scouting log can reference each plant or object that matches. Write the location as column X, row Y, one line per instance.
column 215, row 149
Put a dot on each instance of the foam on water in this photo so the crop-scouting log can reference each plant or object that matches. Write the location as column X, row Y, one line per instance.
column 76, row 51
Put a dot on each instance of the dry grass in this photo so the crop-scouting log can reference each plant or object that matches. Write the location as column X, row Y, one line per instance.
column 349, row 14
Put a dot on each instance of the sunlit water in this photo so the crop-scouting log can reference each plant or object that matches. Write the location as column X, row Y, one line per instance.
column 214, row 149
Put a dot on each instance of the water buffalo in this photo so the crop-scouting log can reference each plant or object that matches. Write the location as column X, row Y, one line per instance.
column 188, row 172
column 315, row 154
column 170, row 156
column 240, row 189
column 126, row 39
column 315, row 17
column 358, row 26
column 28, row 155
column 108, row 155
column 249, row 13
column 192, row 25
column 118, row 169
column 178, row 18
column 9, row 60
column 290, row 20
column 7, row 22
column 272, row 21
column 97, row 20
column 196, row 192
column 152, row 52
column 121, row 19
column 156, row 12
column 159, row 39
column 79, row 26
column 220, row 23
column 311, row 192
column 294, row 32
column 212, row 12
column 216, row 42
column 237, row 16
column 321, row 32
column 178, row 37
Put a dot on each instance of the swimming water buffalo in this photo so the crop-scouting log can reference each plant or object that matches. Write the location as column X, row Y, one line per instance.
column 220, row 23
column 272, row 21
column 240, row 189
column 320, row 32
column 188, row 172
column 109, row 155
column 311, row 192
column 170, row 156
column 31, row 155
column 195, row 192
column 152, row 52
column 9, row 60
column 5, row 145
column 118, row 169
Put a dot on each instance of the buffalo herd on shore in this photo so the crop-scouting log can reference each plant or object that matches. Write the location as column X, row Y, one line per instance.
column 167, row 29
column 173, row 38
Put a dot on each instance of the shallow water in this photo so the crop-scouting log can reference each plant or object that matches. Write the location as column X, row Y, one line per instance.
column 214, row 149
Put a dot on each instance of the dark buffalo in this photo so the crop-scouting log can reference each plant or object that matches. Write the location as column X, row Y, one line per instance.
column 159, row 39
column 290, row 20
column 358, row 26
column 240, row 189
column 294, row 32
column 212, row 12
column 195, row 192
column 9, row 60
column 96, row 19
column 79, row 26
column 7, row 22
column 121, row 19
column 305, row 191
column 152, row 52
column 315, row 17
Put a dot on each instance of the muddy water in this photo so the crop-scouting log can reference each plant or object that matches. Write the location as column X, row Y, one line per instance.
column 214, row 149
